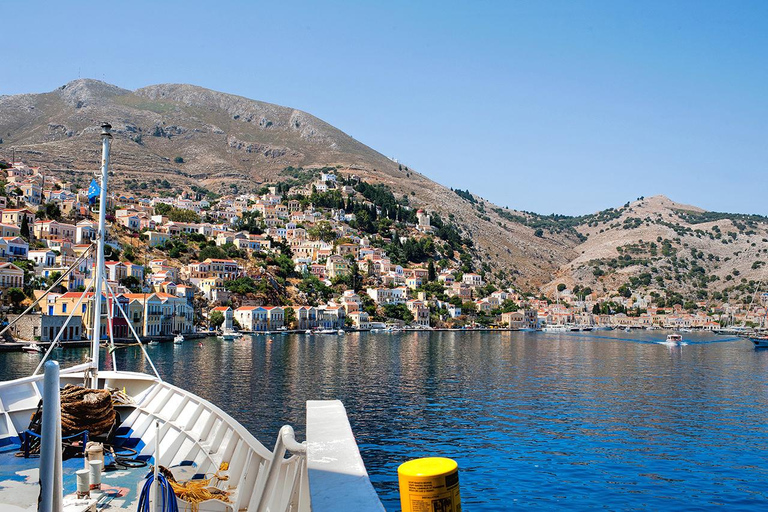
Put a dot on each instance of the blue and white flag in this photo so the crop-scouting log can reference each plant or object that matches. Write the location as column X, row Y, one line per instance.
column 94, row 190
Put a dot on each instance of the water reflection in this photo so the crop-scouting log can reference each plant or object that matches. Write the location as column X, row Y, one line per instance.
column 581, row 420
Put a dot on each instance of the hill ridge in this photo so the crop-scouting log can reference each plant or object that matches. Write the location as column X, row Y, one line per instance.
column 227, row 143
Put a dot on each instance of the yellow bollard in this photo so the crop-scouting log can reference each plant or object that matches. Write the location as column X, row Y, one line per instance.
column 429, row 485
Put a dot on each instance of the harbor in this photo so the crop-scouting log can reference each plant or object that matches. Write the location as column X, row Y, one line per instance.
column 635, row 418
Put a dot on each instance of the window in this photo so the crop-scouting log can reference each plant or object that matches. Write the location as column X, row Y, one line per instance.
column 84, row 308
column 50, row 310
column 63, row 308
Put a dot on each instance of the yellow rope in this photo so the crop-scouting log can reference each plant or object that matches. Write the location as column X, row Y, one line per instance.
column 195, row 492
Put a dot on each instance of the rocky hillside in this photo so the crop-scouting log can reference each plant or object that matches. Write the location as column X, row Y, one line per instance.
column 659, row 246
column 174, row 137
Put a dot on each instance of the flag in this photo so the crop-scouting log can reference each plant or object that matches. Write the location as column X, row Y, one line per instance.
column 94, row 190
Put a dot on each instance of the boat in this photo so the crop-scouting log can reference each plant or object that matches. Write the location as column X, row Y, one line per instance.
column 628, row 329
column 229, row 335
column 674, row 339
column 178, row 339
column 146, row 420
column 32, row 348
column 341, row 332
column 308, row 331
column 555, row 328
column 759, row 341
column 154, row 342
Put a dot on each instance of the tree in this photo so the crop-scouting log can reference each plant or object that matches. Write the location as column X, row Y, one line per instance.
column 399, row 312
column 431, row 274
column 561, row 287
column 216, row 319
column 132, row 283
column 52, row 211
column 290, row 318
column 24, row 227
column 241, row 285
column 322, row 231
column 624, row 291
column 178, row 160
column 596, row 309
column 16, row 296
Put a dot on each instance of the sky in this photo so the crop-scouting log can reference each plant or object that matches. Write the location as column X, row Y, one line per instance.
column 547, row 106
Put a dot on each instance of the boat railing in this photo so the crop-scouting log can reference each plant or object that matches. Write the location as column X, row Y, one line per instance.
column 278, row 465
column 32, row 378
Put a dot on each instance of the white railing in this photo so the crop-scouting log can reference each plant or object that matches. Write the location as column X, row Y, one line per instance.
column 286, row 441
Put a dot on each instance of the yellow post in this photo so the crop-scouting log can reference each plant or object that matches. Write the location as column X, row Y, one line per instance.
column 429, row 485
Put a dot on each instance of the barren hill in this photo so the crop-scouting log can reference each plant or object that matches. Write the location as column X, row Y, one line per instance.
column 194, row 136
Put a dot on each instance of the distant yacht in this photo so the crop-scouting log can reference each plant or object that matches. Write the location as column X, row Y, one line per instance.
column 556, row 328
column 674, row 339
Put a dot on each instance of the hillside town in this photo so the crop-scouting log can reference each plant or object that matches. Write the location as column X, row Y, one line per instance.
column 322, row 250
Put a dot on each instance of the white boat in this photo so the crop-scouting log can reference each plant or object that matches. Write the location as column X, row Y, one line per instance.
column 628, row 329
column 178, row 339
column 555, row 328
column 341, row 332
column 674, row 339
column 230, row 335
column 308, row 331
column 154, row 342
column 169, row 427
column 32, row 348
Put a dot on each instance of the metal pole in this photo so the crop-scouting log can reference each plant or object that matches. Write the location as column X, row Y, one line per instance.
column 50, row 445
column 106, row 138
column 155, row 482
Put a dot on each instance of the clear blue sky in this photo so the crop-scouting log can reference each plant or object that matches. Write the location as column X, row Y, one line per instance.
column 549, row 106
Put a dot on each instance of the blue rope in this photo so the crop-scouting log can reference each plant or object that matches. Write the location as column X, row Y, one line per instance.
column 166, row 495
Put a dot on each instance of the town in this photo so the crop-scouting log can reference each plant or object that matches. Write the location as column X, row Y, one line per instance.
column 321, row 250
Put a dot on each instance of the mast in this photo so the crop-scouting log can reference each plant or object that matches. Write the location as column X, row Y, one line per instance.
column 106, row 138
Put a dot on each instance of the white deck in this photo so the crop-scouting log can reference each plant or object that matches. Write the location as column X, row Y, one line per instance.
column 337, row 476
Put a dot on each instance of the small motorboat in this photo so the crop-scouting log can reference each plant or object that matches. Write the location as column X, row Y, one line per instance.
column 628, row 329
column 32, row 348
column 153, row 342
column 341, row 332
column 229, row 335
column 308, row 331
column 759, row 341
column 674, row 339
column 178, row 339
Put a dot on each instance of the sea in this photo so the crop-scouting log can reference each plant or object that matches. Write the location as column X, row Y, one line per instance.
column 577, row 421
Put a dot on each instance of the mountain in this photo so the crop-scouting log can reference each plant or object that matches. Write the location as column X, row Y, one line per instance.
column 191, row 136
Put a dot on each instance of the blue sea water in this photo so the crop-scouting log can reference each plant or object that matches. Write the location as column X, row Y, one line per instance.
column 575, row 421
